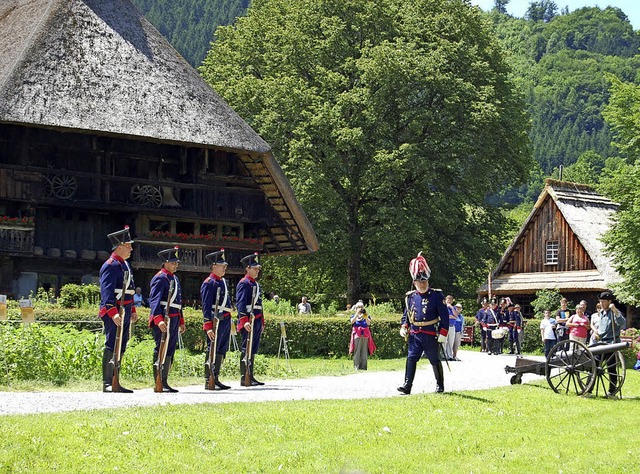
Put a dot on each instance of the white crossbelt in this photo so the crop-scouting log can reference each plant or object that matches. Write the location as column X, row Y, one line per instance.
column 172, row 305
column 118, row 292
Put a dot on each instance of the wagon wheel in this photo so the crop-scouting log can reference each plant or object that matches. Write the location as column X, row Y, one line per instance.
column 610, row 373
column 63, row 186
column 146, row 195
column 570, row 367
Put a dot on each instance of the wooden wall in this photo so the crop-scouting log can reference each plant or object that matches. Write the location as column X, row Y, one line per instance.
column 548, row 224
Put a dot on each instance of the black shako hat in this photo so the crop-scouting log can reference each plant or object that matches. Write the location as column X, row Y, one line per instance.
column 216, row 258
column 170, row 255
column 120, row 237
column 250, row 260
column 606, row 295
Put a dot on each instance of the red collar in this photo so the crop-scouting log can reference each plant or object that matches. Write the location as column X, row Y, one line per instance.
column 215, row 277
column 164, row 270
column 249, row 278
column 117, row 257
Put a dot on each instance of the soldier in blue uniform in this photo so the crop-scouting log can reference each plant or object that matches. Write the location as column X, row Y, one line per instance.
column 216, row 286
column 481, row 317
column 515, row 327
column 249, row 301
column 112, row 284
column 158, row 296
column 426, row 322
column 492, row 322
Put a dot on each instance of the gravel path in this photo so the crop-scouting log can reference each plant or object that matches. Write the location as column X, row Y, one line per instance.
column 475, row 371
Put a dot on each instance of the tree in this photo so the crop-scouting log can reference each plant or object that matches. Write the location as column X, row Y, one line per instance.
column 501, row 6
column 390, row 119
column 544, row 10
column 623, row 186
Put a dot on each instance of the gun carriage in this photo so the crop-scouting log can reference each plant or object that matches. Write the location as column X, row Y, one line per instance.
column 573, row 367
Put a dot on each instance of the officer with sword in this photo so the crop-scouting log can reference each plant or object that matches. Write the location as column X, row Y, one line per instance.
column 426, row 323
column 216, row 307
column 250, row 319
column 165, row 316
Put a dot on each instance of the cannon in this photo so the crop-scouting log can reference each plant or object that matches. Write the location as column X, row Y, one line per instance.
column 573, row 367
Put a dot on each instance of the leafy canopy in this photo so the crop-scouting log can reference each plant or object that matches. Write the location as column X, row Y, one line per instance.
column 393, row 120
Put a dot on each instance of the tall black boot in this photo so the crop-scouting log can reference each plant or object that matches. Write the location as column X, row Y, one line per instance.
column 107, row 373
column 216, row 371
column 439, row 373
column 207, row 372
column 165, row 375
column 253, row 380
column 107, row 370
column 409, row 375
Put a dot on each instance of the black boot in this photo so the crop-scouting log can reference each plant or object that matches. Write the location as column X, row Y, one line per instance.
column 216, row 371
column 439, row 373
column 107, row 370
column 107, row 373
column 207, row 373
column 243, row 372
column 409, row 375
column 165, row 374
column 253, row 380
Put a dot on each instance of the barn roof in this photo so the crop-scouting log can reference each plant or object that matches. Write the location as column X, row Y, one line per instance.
column 589, row 216
column 98, row 66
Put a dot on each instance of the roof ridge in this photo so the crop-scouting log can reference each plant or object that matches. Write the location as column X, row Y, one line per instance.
column 45, row 13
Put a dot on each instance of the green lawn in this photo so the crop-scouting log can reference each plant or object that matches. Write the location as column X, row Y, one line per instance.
column 522, row 428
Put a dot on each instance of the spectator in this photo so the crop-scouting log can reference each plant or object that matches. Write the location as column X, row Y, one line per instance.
column 548, row 332
column 138, row 299
column 459, row 327
column 578, row 325
column 595, row 320
column 562, row 315
column 451, row 335
column 361, row 345
column 304, row 307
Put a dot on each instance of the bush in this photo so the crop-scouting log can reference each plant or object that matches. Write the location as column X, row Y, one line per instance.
column 79, row 296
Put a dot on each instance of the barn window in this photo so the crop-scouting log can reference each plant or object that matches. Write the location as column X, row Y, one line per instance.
column 552, row 253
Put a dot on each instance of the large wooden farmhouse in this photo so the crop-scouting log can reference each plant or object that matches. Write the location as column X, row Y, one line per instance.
column 103, row 124
column 559, row 247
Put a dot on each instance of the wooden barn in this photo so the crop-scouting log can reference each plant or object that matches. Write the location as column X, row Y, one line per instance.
column 558, row 247
column 102, row 124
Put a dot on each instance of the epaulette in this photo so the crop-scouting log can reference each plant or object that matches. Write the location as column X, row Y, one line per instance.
column 110, row 261
column 207, row 280
column 437, row 289
column 410, row 292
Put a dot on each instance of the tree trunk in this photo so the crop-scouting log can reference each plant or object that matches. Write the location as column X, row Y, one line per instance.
column 354, row 279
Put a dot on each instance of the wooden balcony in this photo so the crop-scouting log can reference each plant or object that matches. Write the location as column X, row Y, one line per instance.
column 16, row 240
column 145, row 255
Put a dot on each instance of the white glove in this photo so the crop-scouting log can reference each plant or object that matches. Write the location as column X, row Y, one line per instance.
column 403, row 331
column 442, row 339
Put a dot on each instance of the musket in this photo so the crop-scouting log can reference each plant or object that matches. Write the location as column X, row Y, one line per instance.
column 164, row 339
column 117, row 349
column 211, row 361
column 247, row 374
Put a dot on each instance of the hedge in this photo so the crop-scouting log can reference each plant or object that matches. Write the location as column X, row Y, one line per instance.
column 307, row 336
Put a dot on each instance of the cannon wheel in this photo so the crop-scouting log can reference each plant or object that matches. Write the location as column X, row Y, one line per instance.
column 610, row 374
column 516, row 379
column 571, row 367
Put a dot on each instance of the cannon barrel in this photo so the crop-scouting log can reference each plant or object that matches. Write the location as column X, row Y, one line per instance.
column 608, row 348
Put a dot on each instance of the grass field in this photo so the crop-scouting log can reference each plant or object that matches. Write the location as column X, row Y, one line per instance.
column 522, row 428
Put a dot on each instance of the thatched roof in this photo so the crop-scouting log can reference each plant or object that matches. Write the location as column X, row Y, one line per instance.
column 589, row 215
column 98, row 65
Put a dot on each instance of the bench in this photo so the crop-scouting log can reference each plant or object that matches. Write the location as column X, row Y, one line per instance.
column 467, row 335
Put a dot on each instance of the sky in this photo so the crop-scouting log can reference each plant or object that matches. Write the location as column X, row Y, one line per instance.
column 518, row 8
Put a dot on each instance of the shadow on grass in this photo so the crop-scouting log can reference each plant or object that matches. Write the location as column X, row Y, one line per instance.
column 469, row 397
